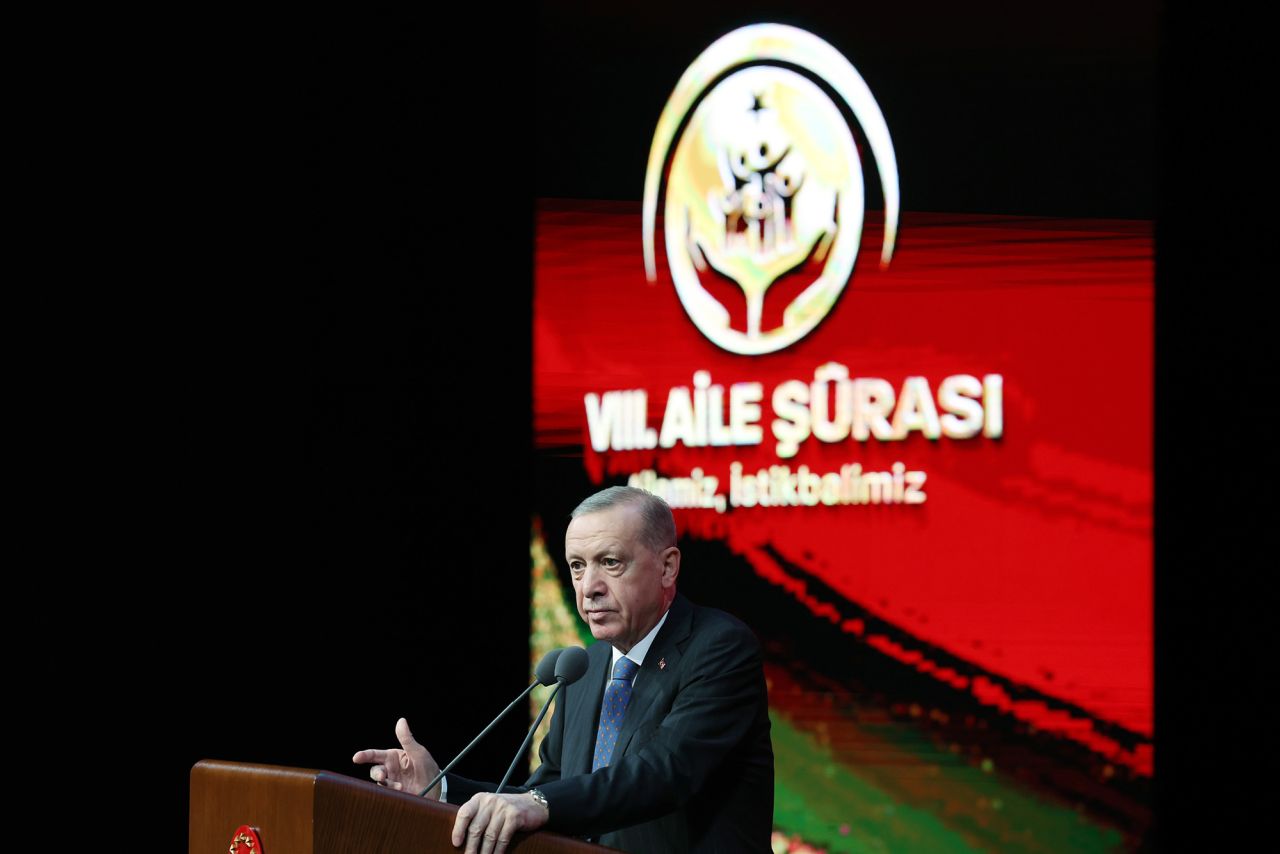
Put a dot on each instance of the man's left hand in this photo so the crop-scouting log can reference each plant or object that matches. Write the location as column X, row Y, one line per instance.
column 487, row 822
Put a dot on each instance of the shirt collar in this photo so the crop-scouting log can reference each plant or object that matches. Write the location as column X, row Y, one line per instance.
column 638, row 651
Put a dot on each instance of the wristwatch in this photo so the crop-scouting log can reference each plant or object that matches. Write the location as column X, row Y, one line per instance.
column 540, row 798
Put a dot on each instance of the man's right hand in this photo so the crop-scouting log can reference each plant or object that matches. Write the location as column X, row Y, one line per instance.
column 408, row 769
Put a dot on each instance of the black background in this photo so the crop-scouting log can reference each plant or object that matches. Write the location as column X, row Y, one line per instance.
column 333, row 414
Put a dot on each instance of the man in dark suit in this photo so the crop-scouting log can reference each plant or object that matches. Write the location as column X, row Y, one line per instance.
column 664, row 744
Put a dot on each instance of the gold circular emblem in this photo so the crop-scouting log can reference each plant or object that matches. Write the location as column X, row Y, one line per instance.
column 764, row 180
column 245, row 841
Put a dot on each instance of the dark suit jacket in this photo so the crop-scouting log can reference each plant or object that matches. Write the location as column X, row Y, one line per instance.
column 693, row 767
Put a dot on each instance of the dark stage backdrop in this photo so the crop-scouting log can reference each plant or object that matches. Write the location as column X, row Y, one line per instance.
column 348, row 501
column 350, row 486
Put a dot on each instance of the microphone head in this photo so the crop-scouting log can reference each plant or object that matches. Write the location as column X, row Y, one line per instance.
column 545, row 672
column 571, row 665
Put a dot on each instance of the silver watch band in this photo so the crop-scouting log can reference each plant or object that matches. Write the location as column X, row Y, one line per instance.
column 540, row 798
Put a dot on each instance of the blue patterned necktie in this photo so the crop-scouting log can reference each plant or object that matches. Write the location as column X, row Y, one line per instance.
column 614, row 708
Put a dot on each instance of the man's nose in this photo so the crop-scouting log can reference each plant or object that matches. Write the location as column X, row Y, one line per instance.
column 593, row 583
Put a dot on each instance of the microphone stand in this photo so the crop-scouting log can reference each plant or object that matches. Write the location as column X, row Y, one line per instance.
column 485, row 732
column 529, row 737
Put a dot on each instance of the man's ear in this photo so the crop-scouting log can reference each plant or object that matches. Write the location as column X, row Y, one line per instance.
column 670, row 566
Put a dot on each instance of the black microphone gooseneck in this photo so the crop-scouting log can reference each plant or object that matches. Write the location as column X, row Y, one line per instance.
column 546, row 673
column 569, row 669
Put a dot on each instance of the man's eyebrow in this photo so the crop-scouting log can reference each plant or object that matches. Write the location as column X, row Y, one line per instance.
column 611, row 549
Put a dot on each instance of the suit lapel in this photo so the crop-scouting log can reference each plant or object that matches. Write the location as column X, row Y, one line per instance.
column 657, row 676
column 582, row 712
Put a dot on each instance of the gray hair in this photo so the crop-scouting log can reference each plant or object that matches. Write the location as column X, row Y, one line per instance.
column 659, row 526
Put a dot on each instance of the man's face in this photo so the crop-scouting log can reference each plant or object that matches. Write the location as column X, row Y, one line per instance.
column 621, row 585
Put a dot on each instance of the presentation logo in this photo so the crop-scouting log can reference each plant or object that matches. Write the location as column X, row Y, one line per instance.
column 765, row 181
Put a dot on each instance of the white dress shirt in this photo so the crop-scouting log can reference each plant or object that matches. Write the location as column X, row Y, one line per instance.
column 641, row 648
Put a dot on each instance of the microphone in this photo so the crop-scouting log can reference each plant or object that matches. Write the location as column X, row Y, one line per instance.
column 546, row 673
column 570, row 667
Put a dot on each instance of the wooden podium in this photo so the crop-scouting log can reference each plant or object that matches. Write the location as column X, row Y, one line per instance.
column 297, row 811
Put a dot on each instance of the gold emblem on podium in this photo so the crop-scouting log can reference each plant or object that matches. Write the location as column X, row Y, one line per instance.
column 245, row 841
column 765, row 180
